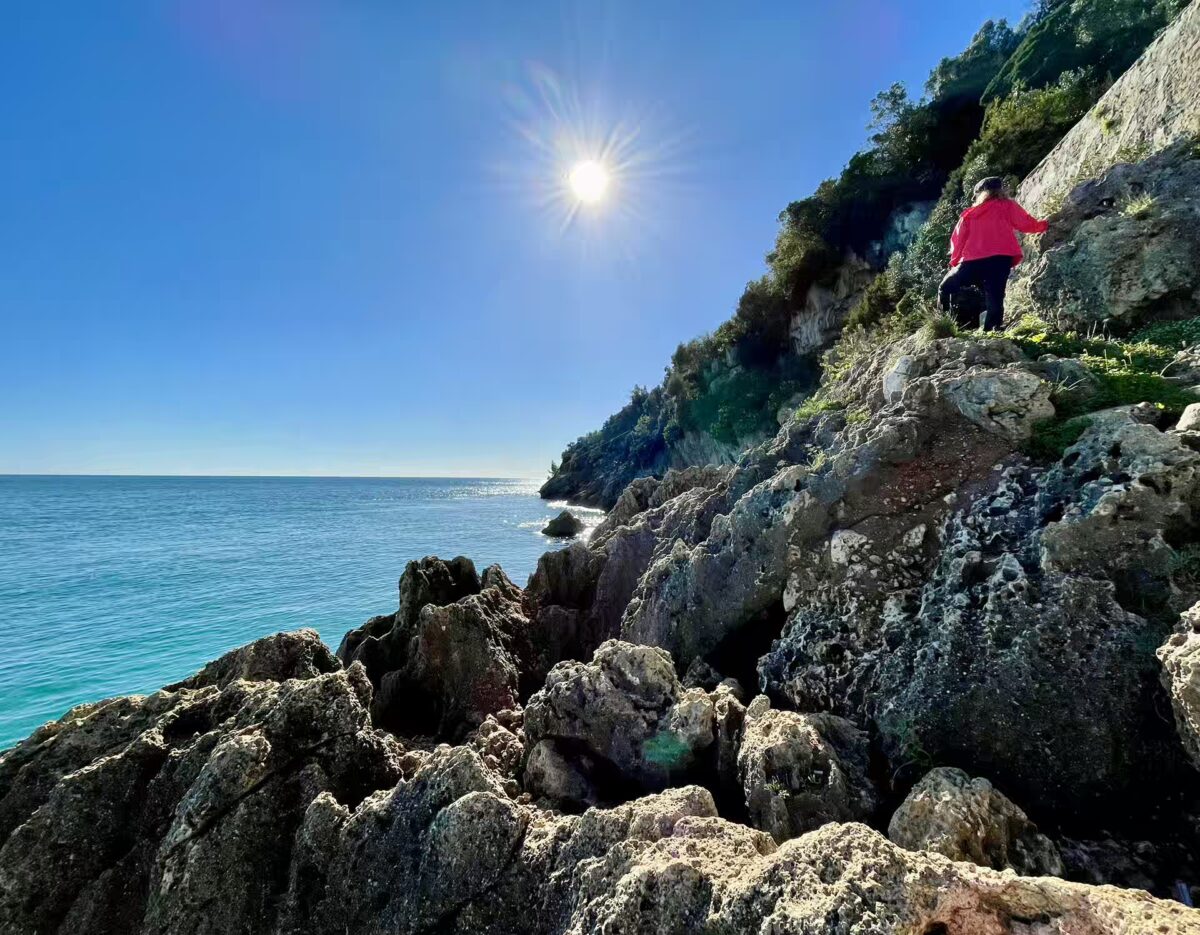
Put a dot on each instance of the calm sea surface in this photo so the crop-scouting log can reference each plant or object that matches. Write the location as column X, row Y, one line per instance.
column 117, row 585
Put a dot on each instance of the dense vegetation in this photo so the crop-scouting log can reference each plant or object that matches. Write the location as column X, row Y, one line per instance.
column 997, row 108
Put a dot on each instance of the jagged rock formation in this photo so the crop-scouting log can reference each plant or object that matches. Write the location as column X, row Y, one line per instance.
column 1125, row 247
column 969, row 819
column 679, row 724
column 622, row 724
column 273, row 806
column 801, row 771
column 451, row 655
column 819, row 320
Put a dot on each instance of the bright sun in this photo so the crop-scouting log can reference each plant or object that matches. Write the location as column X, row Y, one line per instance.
column 588, row 180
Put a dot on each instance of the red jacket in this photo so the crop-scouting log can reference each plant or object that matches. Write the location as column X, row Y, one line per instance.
column 989, row 230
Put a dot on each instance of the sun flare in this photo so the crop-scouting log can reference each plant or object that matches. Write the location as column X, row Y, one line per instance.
column 588, row 180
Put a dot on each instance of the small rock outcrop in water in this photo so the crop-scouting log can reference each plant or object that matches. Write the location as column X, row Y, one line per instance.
column 968, row 819
column 564, row 526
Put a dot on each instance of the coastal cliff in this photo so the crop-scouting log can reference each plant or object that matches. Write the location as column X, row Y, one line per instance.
column 924, row 659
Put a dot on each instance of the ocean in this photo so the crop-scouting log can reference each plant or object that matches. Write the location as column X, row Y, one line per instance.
column 118, row 585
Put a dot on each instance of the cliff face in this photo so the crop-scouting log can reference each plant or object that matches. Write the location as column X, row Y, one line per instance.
column 1149, row 107
column 923, row 661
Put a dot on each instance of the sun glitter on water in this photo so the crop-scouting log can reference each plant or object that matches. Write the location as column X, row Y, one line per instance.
column 588, row 181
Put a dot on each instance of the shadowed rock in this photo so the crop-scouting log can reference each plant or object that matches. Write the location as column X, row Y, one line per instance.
column 451, row 655
column 564, row 526
column 614, row 727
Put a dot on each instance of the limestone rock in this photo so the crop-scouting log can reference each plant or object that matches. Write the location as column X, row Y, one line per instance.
column 296, row 655
column 621, row 722
column 979, row 643
column 1149, row 108
column 564, row 526
column 1190, row 420
column 969, row 819
column 164, row 813
column 1005, row 402
column 1125, row 249
column 274, row 808
column 1180, row 658
column 799, row 771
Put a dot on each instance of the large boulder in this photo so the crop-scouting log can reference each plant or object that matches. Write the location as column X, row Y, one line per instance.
column 969, row 819
column 799, row 771
column 1180, row 658
column 618, row 725
column 977, row 634
column 1125, row 248
column 727, row 594
column 455, row 652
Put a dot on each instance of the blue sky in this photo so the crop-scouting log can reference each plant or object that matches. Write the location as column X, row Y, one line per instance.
column 295, row 237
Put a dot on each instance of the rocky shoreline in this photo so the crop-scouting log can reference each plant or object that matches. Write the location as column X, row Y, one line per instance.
column 926, row 661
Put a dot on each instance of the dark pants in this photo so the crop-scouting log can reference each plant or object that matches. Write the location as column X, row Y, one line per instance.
column 992, row 274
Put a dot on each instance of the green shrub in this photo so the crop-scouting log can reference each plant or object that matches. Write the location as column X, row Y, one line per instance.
column 938, row 326
column 1104, row 36
column 1185, row 564
column 817, row 404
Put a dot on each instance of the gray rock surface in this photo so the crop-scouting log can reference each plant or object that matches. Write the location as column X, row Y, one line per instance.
column 1148, row 108
column 1124, row 250
column 800, row 771
column 165, row 813
column 1180, row 658
column 605, row 730
column 454, row 652
column 270, row 807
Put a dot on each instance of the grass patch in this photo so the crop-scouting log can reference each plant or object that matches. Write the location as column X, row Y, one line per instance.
column 1185, row 564
column 1169, row 335
column 1051, row 437
column 938, row 326
column 1127, row 371
column 1139, row 207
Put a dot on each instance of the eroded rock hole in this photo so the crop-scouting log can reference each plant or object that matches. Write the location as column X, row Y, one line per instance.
column 737, row 655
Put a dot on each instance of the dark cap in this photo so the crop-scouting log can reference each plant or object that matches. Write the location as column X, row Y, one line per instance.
column 993, row 183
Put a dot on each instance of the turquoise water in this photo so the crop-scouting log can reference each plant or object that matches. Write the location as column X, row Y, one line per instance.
column 117, row 585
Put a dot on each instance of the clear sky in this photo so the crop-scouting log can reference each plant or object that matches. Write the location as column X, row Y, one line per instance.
column 299, row 237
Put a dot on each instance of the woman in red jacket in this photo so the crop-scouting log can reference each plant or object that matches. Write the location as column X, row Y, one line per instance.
column 984, row 248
